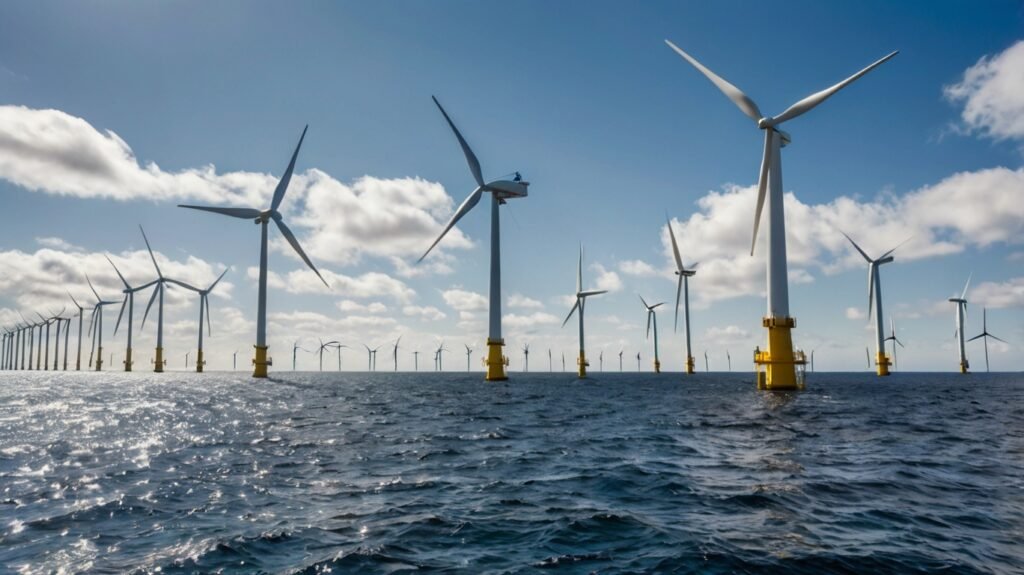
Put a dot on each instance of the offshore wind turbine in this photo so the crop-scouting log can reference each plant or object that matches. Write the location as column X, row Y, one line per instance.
column 600, row 360
column 416, row 359
column 875, row 302
column 295, row 352
column 501, row 191
column 339, row 347
column 563, row 362
column 581, row 300
column 324, row 346
column 892, row 337
column 234, row 360
column 682, row 289
column 526, row 357
column 550, row 365
column 778, row 360
column 263, row 217
column 394, row 352
column 961, row 315
column 47, row 321
column 620, row 360
column 186, row 359
column 129, row 301
column 469, row 352
column 728, row 358
column 204, row 306
column 440, row 356
column 707, row 367
column 653, row 316
column 81, row 313
column 96, row 324
column 161, row 284
column 638, row 361
column 985, row 335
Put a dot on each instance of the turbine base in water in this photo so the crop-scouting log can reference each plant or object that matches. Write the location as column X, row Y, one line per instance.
column 657, row 366
column 883, row 363
column 689, row 364
column 128, row 359
column 581, row 363
column 964, row 365
column 496, row 361
column 199, row 361
column 99, row 359
column 158, row 363
column 779, row 368
column 261, row 362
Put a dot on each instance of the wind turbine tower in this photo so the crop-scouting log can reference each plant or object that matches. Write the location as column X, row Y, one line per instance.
column 501, row 191
column 875, row 303
column 581, row 301
column 653, row 316
column 777, row 366
column 682, row 292
column 985, row 335
column 961, row 315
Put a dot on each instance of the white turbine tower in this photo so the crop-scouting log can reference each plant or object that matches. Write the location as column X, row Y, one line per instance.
column 96, row 325
column 204, row 309
column 653, row 316
column 129, row 301
column 263, row 217
column 683, row 291
column 985, row 335
column 961, row 316
column 81, row 314
column 875, row 302
column 581, row 301
column 469, row 353
column 778, row 361
column 501, row 190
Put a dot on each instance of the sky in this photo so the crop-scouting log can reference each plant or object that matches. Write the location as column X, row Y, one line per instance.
column 113, row 113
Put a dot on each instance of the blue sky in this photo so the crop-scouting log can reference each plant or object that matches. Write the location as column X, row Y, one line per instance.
column 612, row 129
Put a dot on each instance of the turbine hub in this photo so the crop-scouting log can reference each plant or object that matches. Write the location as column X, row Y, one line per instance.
column 764, row 123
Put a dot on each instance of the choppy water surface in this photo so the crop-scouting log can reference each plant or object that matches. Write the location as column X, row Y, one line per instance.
column 623, row 473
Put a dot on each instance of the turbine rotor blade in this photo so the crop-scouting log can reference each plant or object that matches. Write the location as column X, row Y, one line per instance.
column 89, row 281
column 872, row 270
column 288, row 235
column 997, row 339
column 649, row 312
column 762, row 184
column 152, row 298
column 588, row 293
column 675, row 246
column 810, row 102
column 185, row 285
column 124, row 303
column 282, row 185
column 468, row 204
column 209, row 324
column 217, row 281
column 124, row 281
column 158, row 273
column 864, row 255
column 679, row 292
column 963, row 295
column 896, row 248
column 243, row 213
column 571, row 311
column 742, row 101
column 474, row 164
column 643, row 301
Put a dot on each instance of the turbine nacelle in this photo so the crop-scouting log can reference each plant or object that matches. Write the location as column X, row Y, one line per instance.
column 507, row 189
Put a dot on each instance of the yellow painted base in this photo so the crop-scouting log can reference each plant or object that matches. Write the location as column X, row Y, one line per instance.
column 158, row 363
column 261, row 362
column 883, row 363
column 657, row 366
column 199, row 361
column 581, row 364
column 689, row 364
column 964, row 365
column 99, row 359
column 779, row 362
column 496, row 361
column 128, row 359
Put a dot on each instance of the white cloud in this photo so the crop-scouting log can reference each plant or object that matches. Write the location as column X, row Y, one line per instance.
column 999, row 294
column 968, row 209
column 367, row 285
column 426, row 313
column 521, row 301
column 855, row 313
column 639, row 268
column 726, row 335
column 606, row 279
column 992, row 93
column 349, row 306
column 58, row 244
column 463, row 300
column 528, row 322
column 54, row 152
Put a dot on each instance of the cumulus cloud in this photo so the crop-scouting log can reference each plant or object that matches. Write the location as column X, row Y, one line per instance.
column 855, row 313
column 349, row 306
column 463, row 300
column 54, row 152
column 528, row 322
column 638, row 268
column 992, row 94
column 967, row 209
column 367, row 285
column 520, row 301
column 726, row 335
column 606, row 279
column 999, row 294
column 426, row 313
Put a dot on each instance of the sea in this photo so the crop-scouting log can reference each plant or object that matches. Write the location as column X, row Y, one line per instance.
column 308, row 473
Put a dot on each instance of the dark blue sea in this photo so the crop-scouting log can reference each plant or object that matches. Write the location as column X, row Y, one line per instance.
column 444, row 473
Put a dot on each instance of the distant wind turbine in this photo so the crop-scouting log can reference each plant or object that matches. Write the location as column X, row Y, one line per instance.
column 161, row 284
column 526, row 357
column 985, row 335
column 652, row 316
column 263, row 217
column 81, row 313
column 469, row 353
column 394, row 352
column 501, row 191
column 581, row 300
column 620, row 359
column 204, row 306
column 96, row 324
column 875, row 301
column 682, row 292
column 778, row 360
column 892, row 337
column 961, row 315
column 129, row 301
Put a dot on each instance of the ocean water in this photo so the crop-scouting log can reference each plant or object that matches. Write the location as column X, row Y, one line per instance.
column 440, row 473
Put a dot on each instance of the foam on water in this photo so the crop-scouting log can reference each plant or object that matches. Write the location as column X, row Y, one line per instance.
column 389, row 473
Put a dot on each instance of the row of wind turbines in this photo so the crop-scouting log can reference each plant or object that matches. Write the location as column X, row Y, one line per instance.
column 779, row 365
